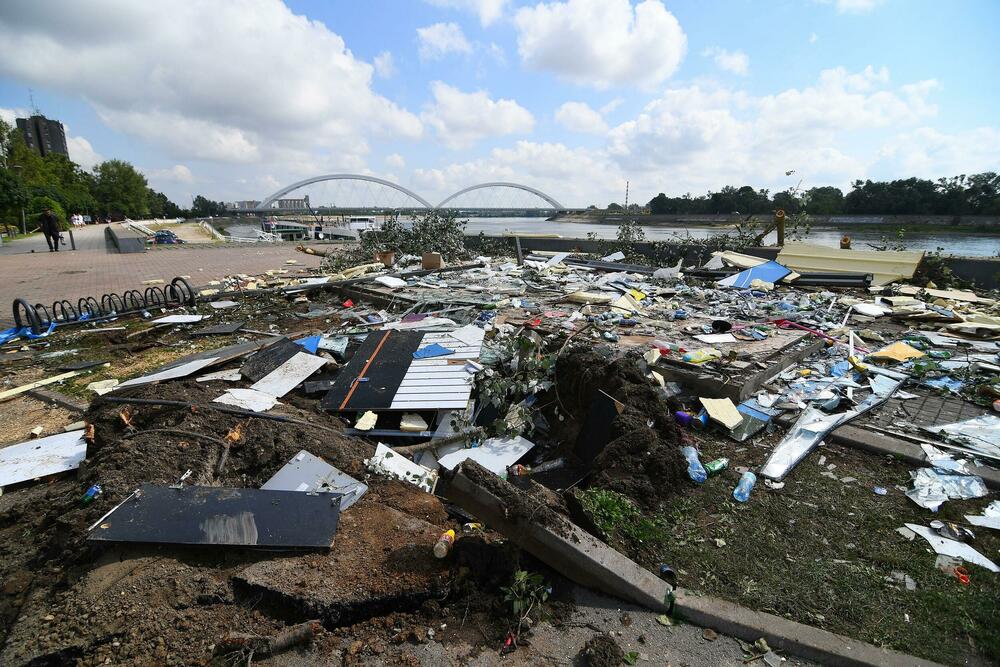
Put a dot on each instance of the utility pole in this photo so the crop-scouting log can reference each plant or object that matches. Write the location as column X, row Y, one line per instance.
column 626, row 196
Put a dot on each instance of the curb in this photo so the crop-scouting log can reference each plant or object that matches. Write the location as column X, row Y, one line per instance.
column 801, row 640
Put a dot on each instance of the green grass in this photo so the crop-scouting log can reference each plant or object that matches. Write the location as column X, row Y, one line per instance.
column 819, row 551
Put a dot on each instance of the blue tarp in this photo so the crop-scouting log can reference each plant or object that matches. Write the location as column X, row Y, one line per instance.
column 769, row 272
column 434, row 350
column 311, row 343
column 24, row 332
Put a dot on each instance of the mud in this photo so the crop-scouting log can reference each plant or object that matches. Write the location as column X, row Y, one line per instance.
column 602, row 651
column 642, row 459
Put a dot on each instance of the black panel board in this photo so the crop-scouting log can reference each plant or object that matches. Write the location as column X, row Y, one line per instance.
column 596, row 431
column 269, row 358
column 384, row 374
column 234, row 517
column 219, row 329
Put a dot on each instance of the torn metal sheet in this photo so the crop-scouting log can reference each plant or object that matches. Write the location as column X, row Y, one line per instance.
column 311, row 474
column 171, row 373
column 885, row 266
column 809, row 430
column 41, row 457
column 289, row 375
column 222, row 516
column 495, row 454
column 980, row 433
column 943, row 545
column 932, row 487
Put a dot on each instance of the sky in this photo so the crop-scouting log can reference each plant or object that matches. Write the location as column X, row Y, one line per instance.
column 235, row 99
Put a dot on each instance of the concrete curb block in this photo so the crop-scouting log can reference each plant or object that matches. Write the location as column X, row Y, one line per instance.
column 801, row 640
column 61, row 400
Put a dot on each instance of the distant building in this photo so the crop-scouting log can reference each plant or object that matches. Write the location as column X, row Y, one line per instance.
column 291, row 204
column 245, row 205
column 43, row 136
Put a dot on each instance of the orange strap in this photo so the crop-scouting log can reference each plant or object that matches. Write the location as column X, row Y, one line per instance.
column 357, row 380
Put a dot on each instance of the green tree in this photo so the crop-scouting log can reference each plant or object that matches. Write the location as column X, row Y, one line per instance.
column 202, row 207
column 37, row 205
column 826, row 200
column 615, row 208
column 120, row 190
column 659, row 204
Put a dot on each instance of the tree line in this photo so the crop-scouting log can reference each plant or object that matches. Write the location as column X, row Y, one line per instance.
column 978, row 194
column 113, row 190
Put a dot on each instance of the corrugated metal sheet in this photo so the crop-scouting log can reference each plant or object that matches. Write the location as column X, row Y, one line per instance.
column 884, row 266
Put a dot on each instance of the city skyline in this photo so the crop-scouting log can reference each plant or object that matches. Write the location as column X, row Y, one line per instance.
column 574, row 98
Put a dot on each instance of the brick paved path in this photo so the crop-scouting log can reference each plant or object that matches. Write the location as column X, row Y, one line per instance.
column 43, row 277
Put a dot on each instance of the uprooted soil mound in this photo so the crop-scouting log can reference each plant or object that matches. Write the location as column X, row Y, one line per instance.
column 642, row 458
column 602, row 651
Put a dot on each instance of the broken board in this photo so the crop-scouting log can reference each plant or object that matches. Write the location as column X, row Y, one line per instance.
column 307, row 473
column 41, row 457
column 268, row 359
column 220, row 516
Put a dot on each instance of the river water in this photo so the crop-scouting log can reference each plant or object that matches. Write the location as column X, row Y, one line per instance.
column 952, row 243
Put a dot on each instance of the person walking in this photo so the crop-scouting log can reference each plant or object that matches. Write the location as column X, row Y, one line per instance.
column 50, row 228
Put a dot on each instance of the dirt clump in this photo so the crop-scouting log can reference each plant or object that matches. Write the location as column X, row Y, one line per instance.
column 602, row 651
column 642, row 458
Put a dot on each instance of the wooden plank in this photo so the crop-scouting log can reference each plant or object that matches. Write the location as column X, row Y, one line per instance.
column 17, row 391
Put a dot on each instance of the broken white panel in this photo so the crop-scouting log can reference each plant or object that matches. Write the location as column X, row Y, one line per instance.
column 871, row 309
column 614, row 257
column 387, row 462
column 716, row 338
column 944, row 546
column 990, row 518
column 557, row 258
column 495, row 454
column 806, row 434
column 441, row 383
column 391, row 282
column 248, row 399
column 426, row 323
column 222, row 305
column 41, row 457
column 172, row 373
column 289, row 375
column 470, row 335
column 179, row 319
column 232, row 375
column 311, row 474
column 102, row 387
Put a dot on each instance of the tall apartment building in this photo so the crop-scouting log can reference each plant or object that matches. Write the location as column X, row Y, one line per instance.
column 43, row 136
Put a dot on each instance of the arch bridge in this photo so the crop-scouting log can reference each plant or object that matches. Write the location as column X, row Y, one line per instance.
column 415, row 201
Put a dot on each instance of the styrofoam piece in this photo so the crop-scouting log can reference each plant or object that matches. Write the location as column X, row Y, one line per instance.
column 248, row 399
column 391, row 282
column 171, row 373
column 495, row 454
column 41, row 457
column 311, row 474
column 289, row 375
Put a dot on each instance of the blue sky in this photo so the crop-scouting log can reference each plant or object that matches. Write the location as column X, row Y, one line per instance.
column 575, row 97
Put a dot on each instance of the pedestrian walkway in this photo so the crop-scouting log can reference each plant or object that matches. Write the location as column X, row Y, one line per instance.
column 43, row 277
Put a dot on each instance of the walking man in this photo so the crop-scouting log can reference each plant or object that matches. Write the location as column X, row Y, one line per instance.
column 50, row 228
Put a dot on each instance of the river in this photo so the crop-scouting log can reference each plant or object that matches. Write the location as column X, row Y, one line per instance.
column 952, row 243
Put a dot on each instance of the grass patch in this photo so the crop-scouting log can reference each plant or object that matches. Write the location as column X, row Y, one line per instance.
column 820, row 551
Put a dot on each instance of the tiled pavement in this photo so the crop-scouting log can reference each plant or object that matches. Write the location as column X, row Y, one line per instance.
column 43, row 277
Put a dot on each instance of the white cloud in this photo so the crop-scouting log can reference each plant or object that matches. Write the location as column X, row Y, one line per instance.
column 438, row 40
column 11, row 115
column 736, row 62
column 461, row 119
column 184, row 76
column 395, row 160
column 385, row 67
column 601, row 42
column 178, row 173
column 929, row 153
column 699, row 138
column 611, row 106
column 813, row 38
column 487, row 10
column 81, row 152
column 579, row 117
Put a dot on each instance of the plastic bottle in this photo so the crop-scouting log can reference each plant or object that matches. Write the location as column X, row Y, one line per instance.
column 91, row 494
column 444, row 544
column 696, row 471
column 742, row 491
column 702, row 355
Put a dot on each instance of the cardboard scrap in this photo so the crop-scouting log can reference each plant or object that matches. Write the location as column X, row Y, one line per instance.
column 897, row 352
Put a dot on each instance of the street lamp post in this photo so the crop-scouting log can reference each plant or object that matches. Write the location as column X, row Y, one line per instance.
column 20, row 174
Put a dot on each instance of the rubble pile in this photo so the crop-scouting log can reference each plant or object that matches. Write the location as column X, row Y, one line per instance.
column 332, row 455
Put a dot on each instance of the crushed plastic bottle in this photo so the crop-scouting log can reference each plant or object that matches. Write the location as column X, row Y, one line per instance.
column 443, row 546
column 702, row 355
column 696, row 471
column 742, row 491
